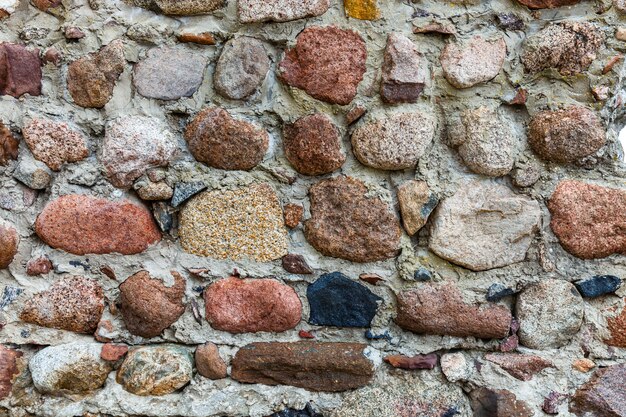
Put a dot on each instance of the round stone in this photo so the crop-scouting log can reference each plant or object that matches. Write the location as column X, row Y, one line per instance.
column 209, row 362
column 9, row 241
column 241, row 68
column 471, row 62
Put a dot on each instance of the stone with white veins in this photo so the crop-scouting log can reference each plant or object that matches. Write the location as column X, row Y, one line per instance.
column 250, row 11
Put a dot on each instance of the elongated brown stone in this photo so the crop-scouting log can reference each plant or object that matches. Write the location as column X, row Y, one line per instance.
column 412, row 362
column 8, row 369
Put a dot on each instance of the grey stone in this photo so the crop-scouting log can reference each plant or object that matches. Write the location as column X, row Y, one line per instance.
column 183, row 191
column 31, row 172
column 250, row 11
column 241, row 68
column 404, row 71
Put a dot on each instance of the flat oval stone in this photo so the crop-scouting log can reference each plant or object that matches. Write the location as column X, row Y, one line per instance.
column 598, row 285
column 547, row 4
column 82, row 224
column 603, row 395
column 241, row 68
column 471, row 62
column 54, row 143
column 252, row 305
column 179, row 7
column 10, row 364
column 9, row 241
column 20, row 69
column 155, row 370
column 336, row 300
column 315, row 366
column 209, row 362
column 250, row 11
column 72, row 303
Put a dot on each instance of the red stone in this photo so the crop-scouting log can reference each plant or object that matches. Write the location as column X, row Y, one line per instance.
column 113, row 352
column 522, row 367
column 9, row 240
column 8, row 145
column 617, row 328
column 372, row 279
column 603, row 395
column 9, row 369
column 293, row 214
column 82, row 224
column 252, row 305
column 38, row 266
column 547, row 4
column 209, row 362
column 412, row 362
column 306, row 335
column 20, row 70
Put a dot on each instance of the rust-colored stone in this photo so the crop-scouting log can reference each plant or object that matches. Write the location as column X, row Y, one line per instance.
column 296, row 264
column 371, row 278
column 8, row 369
column 522, row 367
column 547, row 4
column 412, row 362
column 583, row 365
column 9, row 241
column 38, row 266
column 113, row 352
column 204, row 38
column 209, row 362
column 20, row 70
column 44, row 5
column 54, row 143
column 8, row 145
column 293, row 214
column 617, row 329
column 603, row 395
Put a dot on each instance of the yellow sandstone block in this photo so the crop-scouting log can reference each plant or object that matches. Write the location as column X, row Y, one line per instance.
column 362, row 9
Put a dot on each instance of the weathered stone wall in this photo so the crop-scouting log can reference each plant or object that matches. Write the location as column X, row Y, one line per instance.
column 344, row 207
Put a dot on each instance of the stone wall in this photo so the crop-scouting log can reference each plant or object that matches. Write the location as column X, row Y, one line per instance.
column 312, row 208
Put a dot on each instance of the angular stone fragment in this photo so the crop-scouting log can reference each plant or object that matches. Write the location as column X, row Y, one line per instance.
column 9, row 369
column 497, row 291
column 169, row 73
column 331, row 367
column 522, row 367
column 327, row 62
column 7, row 7
column 91, row 79
column 9, row 241
column 568, row 47
column 550, row 314
column 155, row 370
column 438, row 308
column 583, row 365
column 250, row 11
column 313, row 145
column 293, row 215
column 498, row 403
column 483, row 226
column 472, row 62
column 241, row 68
column 38, row 266
column 547, row 4
column 589, row 219
column 336, row 300
column 598, row 285
column 456, row 367
column 362, row 9
column 183, row 191
column 552, row 403
column 72, row 303
column 54, row 143
column 73, row 368
column 347, row 224
column 112, row 352
column 148, row 305
column 32, row 173
column 404, row 73
column 414, row 362
column 217, row 139
column 566, row 135
column 133, row 145
column 82, row 224
column 244, row 222
column 603, row 395
column 616, row 325
column 8, row 145
column 155, row 191
column 252, row 305
column 20, row 70
column 394, row 142
column 416, row 204
column 47, row 5
column 179, row 7
column 296, row 264
column 209, row 362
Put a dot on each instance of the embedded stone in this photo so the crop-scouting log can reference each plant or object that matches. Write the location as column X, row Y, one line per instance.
column 315, row 366
column 183, row 191
column 155, row 370
column 550, row 314
column 598, row 285
column 552, row 403
column 603, row 395
column 54, row 143
column 522, row 367
column 7, row 7
column 32, row 173
column 38, row 266
column 82, row 224
column 221, row 141
column 293, row 215
column 566, row 135
column 346, row 223
column 209, row 362
column 498, row 403
column 73, row 368
column 497, row 291
column 251, row 11
column 588, row 219
column 252, row 305
column 9, row 241
column 150, row 305
column 416, row 203
column 484, row 225
column 412, row 362
column 583, row 365
column 47, row 5
column 203, row 38
column 403, row 73
column 244, row 222
column 10, row 363
column 547, row 4
column 362, row 9
column 9, row 146
column 154, row 191
column 327, row 62
column 394, row 142
column 568, row 47
column 471, row 62
column 72, row 303
column 169, row 73
column 616, row 325
column 20, row 69
column 133, row 145
column 241, row 68
column 313, row 145
column 91, row 79
column 112, row 352
column 296, row 264
column 179, row 7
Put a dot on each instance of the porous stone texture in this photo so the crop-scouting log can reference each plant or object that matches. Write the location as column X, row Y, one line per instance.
column 72, row 303
column 250, row 11
column 550, row 314
column 403, row 72
column 473, row 61
column 82, row 224
column 241, row 68
column 484, row 225
column 346, row 223
column 252, row 305
column 9, row 241
column 588, row 219
column 9, row 369
column 221, row 141
column 362, row 9
column 20, row 69
column 179, row 7
column 209, row 362
column 394, row 142
column 327, row 62
column 54, row 143
column 616, row 326
column 603, row 394
column 416, row 203
column 245, row 222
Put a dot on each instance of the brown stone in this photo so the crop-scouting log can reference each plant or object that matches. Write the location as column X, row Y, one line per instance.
column 91, row 79
column 566, row 135
column 617, row 328
column 589, row 220
column 72, row 303
column 327, row 62
column 82, row 224
column 498, row 403
column 416, row 203
column 113, row 352
column 371, row 279
column 296, row 264
column 293, row 214
column 346, row 223
column 433, row 26
column 403, row 73
column 547, row 4
column 179, row 7
column 412, row 362
column 217, row 139
column 522, row 367
column 44, row 5
column 20, row 70
column 313, row 145
column 583, row 365
column 552, row 402
column 603, row 395
column 355, row 113
column 252, row 305
column 53, row 56
column 148, row 305
column 54, row 143
column 9, row 369
column 38, row 266
column 209, row 362
column 9, row 241
column 8, row 145
column 204, row 38
column 438, row 308
column 249, row 11
column 331, row 367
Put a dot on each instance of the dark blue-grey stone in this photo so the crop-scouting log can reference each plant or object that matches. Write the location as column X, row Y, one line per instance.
column 372, row 336
column 498, row 291
column 183, row 191
column 598, row 285
column 164, row 215
column 422, row 274
column 290, row 412
column 336, row 300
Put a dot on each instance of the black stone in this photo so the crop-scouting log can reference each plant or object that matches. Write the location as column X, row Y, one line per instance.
column 290, row 412
column 165, row 216
column 183, row 191
column 510, row 21
column 598, row 285
column 372, row 336
column 422, row 274
column 498, row 291
column 336, row 300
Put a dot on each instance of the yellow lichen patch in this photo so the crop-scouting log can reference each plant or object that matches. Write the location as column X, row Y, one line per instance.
column 362, row 9
column 246, row 222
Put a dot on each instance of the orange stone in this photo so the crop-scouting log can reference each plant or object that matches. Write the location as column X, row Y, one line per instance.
column 362, row 9
column 617, row 329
